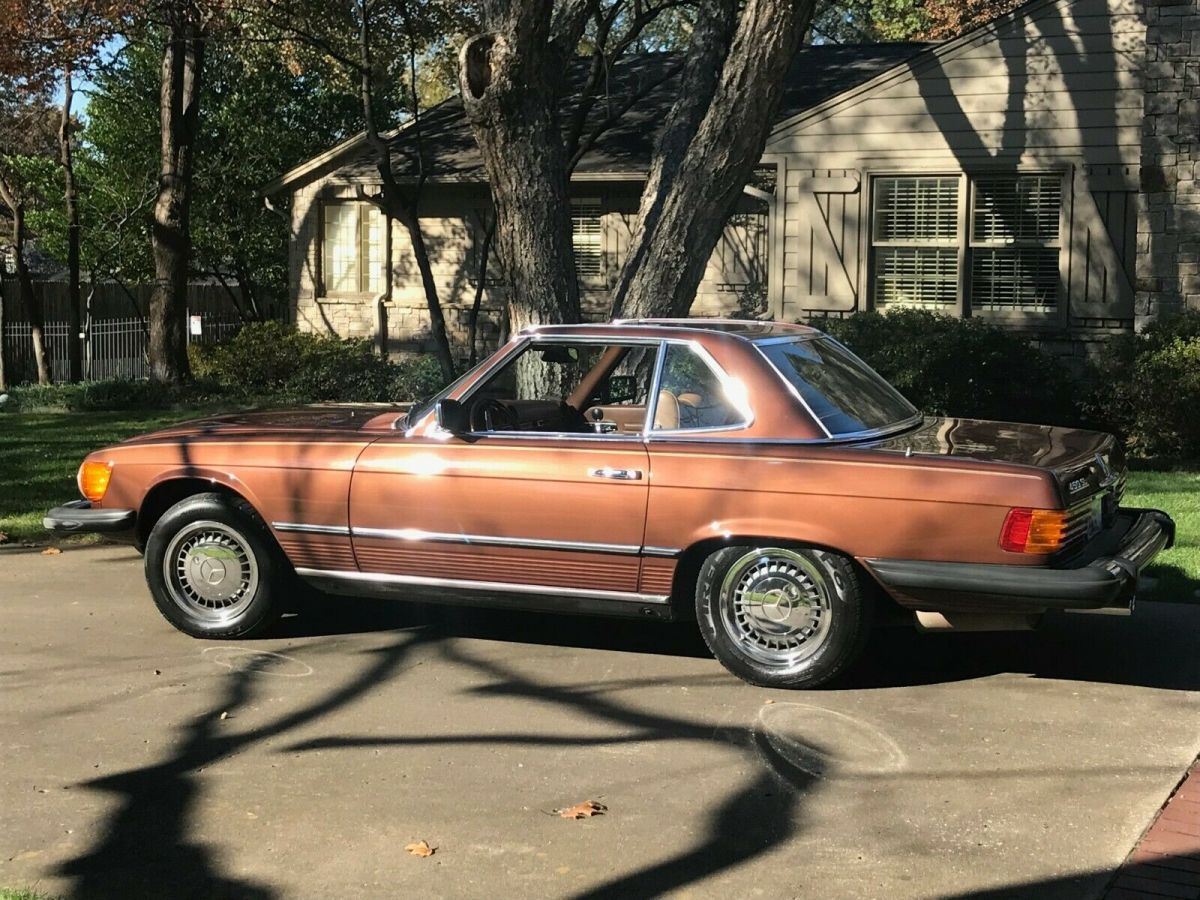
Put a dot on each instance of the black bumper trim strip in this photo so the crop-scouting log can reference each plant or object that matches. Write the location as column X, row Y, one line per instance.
column 79, row 517
column 1106, row 581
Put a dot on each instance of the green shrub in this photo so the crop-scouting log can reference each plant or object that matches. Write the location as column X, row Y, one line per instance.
column 272, row 362
column 961, row 367
column 265, row 364
column 1147, row 388
column 416, row 378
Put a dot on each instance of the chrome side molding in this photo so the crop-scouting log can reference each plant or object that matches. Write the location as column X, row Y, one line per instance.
column 383, row 580
column 479, row 540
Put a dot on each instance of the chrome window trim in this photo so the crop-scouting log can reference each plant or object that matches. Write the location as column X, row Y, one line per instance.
column 468, row 584
column 747, row 412
column 857, row 437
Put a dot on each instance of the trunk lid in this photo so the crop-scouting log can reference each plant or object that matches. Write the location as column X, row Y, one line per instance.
column 1084, row 463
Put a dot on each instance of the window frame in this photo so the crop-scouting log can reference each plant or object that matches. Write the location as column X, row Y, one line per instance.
column 962, row 307
column 362, row 241
column 648, row 432
column 598, row 280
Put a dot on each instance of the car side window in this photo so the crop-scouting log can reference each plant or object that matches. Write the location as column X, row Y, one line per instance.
column 567, row 387
column 691, row 394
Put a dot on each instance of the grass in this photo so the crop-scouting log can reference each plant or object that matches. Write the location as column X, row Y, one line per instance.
column 1175, row 575
column 39, row 454
column 24, row 894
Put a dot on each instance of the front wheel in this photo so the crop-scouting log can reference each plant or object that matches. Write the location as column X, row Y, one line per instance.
column 782, row 617
column 211, row 566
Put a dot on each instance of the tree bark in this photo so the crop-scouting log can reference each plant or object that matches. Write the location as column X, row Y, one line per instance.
column 707, row 154
column 25, row 293
column 71, row 198
column 480, row 286
column 510, row 79
column 179, row 109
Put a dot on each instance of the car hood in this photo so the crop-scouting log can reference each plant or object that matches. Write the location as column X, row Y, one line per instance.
column 1070, row 453
column 313, row 420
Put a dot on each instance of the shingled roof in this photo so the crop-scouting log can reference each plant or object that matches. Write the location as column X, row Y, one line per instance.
column 817, row 74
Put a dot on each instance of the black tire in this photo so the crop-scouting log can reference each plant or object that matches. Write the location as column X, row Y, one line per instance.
column 225, row 570
column 781, row 616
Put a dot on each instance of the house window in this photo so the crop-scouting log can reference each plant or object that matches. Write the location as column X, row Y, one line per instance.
column 587, row 239
column 915, row 236
column 1014, row 243
column 352, row 248
column 1007, row 237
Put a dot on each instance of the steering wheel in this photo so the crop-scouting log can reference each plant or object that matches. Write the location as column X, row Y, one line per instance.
column 490, row 414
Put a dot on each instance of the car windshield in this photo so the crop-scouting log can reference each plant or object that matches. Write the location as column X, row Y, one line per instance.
column 845, row 394
column 423, row 405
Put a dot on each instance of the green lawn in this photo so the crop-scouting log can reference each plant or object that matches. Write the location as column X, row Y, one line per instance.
column 1176, row 571
column 23, row 894
column 39, row 454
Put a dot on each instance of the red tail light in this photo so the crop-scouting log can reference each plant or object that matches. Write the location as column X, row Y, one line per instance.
column 1034, row 530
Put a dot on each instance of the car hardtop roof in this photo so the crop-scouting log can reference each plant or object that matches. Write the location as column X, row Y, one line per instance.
column 747, row 329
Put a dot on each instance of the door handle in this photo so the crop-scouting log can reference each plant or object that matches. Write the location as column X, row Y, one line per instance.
column 618, row 474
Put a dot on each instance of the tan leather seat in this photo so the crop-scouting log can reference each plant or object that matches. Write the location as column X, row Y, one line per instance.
column 666, row 411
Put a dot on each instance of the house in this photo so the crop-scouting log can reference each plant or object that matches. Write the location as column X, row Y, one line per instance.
column 1037, row 172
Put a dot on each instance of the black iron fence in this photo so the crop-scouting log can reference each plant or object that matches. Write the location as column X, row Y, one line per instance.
column 112, row 348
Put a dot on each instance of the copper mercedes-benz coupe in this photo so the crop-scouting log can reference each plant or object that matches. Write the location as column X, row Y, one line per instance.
column 759, row 476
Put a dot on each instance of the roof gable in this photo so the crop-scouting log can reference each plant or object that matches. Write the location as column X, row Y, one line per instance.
column 817, row 74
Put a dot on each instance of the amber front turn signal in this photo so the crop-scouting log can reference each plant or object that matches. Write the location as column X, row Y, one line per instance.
column 93, row 480
column 1034, row 530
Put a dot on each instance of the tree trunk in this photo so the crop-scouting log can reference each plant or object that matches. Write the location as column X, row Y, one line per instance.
column 179, row 107
column 71, row 197
column 510, row 78
column 437, row 319
column 28, row 299
column 485, row 252
column 703, row 162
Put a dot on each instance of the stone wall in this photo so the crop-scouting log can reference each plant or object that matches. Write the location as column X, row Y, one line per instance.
column 1168, row 240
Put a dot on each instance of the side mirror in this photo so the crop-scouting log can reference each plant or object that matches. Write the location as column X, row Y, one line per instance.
column 452, row 417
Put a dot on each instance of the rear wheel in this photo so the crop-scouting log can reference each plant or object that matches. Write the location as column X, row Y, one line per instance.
column 785, row 617
column 212, row 566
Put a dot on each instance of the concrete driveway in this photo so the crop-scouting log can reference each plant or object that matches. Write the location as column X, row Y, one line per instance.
column 139, row 762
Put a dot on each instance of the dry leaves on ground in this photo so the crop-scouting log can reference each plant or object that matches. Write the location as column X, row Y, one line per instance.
column 51, row 551
column 584, row 810
column 421, row 848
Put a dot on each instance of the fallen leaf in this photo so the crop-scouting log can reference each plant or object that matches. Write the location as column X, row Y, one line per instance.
column 420, row 848
column 51, row 551
column 584, row 810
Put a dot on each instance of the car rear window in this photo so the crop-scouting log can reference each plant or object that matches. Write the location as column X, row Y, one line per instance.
column 845, row 394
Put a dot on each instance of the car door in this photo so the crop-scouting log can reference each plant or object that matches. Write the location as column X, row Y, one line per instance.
column 544, row 511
